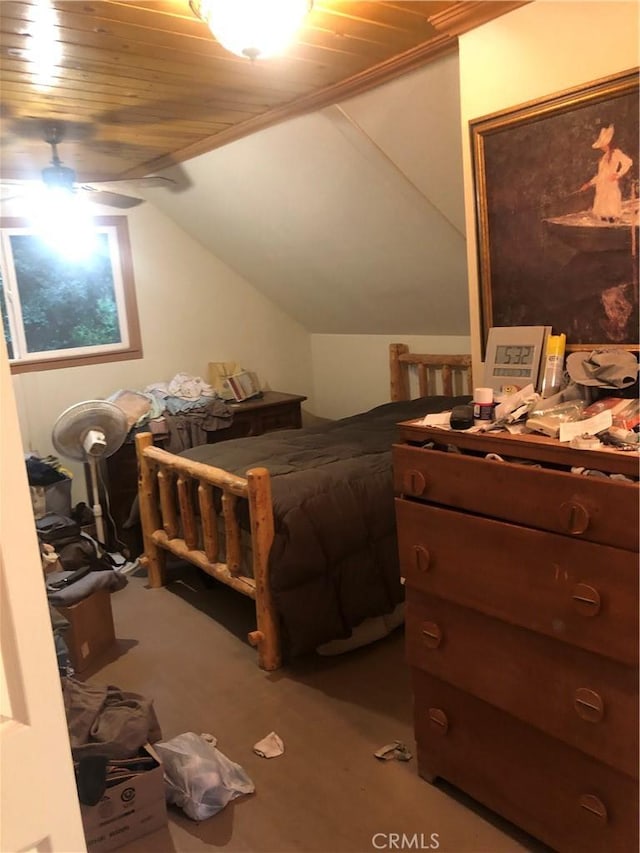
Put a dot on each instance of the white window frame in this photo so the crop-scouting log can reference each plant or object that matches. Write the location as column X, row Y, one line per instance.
column 129, row 346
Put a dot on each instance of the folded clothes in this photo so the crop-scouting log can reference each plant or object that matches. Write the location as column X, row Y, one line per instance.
column 177, row 405
column 182, row 385
column 189, row 387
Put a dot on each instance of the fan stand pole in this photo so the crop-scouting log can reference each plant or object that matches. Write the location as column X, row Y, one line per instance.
column 95, row 497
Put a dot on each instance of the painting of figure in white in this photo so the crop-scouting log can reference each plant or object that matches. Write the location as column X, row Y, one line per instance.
column 612, row 166
column 557, row 188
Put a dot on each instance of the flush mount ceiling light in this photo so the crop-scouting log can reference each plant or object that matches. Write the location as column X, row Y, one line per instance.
column 255, row 29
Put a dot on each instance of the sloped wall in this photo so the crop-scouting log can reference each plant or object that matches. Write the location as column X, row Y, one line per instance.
column 351, row 218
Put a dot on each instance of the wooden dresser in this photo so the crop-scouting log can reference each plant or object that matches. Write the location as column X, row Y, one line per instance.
column 522, row 629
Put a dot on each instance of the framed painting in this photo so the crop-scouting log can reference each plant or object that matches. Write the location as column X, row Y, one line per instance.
column 556, row 188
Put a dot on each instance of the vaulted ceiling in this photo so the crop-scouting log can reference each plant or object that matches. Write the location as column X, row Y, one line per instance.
column 140, row 85
column 350, row 218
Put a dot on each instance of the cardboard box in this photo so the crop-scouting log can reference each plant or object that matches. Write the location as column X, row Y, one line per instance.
column 91, row 630
column 133, row 808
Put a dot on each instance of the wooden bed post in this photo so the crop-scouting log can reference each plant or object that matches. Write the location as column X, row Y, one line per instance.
column 155, row 557
column 267, row 635
column 398, row 373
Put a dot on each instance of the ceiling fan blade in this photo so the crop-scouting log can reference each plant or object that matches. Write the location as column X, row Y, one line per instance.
column 135, row 183
column 149, row 181
column 112, row 199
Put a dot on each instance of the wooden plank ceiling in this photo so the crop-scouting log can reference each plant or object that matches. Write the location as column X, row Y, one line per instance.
column 138, row 86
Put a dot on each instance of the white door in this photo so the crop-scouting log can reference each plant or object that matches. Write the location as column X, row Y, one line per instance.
column 38, row 802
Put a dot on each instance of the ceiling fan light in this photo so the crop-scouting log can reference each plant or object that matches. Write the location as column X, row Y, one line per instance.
column 63, row 220
column 60, row 177
column 255, row 29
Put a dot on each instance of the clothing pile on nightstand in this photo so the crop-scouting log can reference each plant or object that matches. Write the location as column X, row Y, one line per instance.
column 186, row 408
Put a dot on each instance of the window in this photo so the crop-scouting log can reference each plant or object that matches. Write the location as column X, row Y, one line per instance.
column 61, row 312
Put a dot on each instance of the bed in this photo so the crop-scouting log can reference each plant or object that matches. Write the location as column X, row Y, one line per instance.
column 301, row 521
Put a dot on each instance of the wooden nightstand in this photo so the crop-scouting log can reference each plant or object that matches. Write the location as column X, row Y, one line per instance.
column 274, row 410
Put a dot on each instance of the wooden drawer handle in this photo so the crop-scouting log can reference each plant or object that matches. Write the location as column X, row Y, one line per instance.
column 574, row 517
column 588, row 705
column 414, row 482
column 594, row 805
column 586, row 599
column 438, row 721
column 423, row 558
column 431, row 635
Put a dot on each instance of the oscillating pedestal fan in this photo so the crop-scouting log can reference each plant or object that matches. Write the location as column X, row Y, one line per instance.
column 88, row 432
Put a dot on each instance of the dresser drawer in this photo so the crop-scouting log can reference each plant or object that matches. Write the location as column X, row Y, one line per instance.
column 559, row 795
column 273, row 410
column 586, row 700
column 578, row 592
column 591, row 508
column 283, row 417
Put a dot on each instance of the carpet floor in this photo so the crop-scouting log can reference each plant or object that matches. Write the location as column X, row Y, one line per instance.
column 185, row 647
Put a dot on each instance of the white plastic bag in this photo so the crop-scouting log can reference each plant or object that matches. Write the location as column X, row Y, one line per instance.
column 200, row 779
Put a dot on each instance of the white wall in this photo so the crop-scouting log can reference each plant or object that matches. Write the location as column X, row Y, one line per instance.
column 349, row 218
column 193, row 310
column 414, row 120
column 351, row 372
column 542, row 48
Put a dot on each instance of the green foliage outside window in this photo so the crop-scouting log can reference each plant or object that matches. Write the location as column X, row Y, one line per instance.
column 5, row 322
column 65, row 304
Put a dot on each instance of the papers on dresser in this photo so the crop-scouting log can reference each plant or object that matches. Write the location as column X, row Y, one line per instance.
column 513, row 406
column 439, row 419
column 442, row 420
column 590, row 426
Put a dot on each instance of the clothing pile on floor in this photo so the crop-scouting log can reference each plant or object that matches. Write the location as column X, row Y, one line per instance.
column 108, row 721
column 75, row 567
column 110, row 730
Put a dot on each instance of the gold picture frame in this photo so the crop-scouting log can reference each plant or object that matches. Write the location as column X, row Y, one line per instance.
column 554, row 248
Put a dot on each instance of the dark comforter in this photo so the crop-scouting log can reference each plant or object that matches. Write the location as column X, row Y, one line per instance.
column 334, row 559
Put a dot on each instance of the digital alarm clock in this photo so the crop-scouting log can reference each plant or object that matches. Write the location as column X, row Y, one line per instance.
column 514, row 357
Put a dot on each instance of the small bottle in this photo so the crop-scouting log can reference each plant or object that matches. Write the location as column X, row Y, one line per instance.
column 483, row 406
column 553, row 365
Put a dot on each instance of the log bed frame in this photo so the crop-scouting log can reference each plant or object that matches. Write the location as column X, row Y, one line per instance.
column 175, row 525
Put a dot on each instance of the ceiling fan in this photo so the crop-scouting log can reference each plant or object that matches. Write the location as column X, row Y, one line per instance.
column 58, row 176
